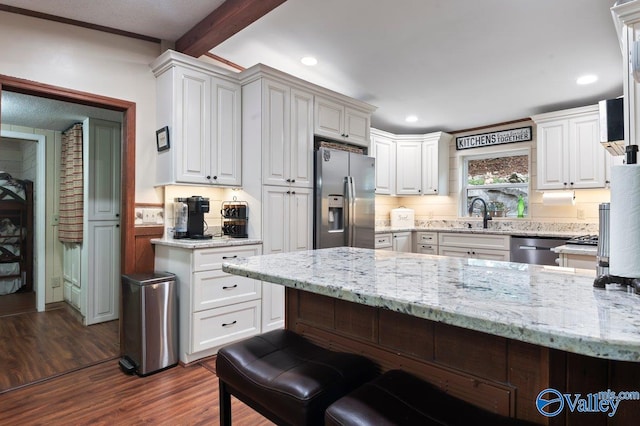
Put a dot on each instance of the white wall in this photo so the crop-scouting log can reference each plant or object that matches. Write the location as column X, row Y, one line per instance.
column 89, row 61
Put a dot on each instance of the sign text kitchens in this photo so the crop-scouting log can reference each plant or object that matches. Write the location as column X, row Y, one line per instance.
column 521, row 134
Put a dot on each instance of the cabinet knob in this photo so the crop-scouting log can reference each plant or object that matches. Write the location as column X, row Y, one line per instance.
column 215, row 178
column 208, row 177
column 564, row 183
column 288, row 192
column 288, row 180
column 346, row 136
column 571, row 183
column 293, row 180
column 293, row 192
column 117, row 214
column 419, row 190
column 435, row 190
column 118, row 226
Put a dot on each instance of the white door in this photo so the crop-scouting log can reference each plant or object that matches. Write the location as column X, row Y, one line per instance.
column 193, row 155
column 588, row 160
column 356, row 127
column 226, row 151
column 301, row 139
column 553, row 150
column 276, row 133
column 402, row 241
column 329, row 118
column 385, row 151
column 275, row 210
column 430, row 170
column 408, row 168
column 102, row 237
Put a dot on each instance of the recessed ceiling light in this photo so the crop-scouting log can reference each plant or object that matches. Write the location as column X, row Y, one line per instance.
column 309, row 61
column 411, row 119
column 587, row 79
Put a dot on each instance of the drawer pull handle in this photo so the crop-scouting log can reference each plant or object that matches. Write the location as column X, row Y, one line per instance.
column 229, row 287
column 229, row 324
column 229, row 257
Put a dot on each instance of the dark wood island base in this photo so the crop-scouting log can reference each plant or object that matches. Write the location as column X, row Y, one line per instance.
column 498, row 374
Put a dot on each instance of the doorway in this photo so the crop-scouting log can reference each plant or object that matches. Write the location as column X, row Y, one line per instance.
column 127, row 243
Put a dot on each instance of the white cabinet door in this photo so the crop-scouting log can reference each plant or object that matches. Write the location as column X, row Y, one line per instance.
column 300, row 219
column 226, row 161
column 272, row 306
column 275, row 211
column 329, row 118
column 301, row 142
column 569, row 151
column 553, row 153
column 276, row 133
column 587, row 164
column 385, row 154
column 408, row 167
column 402, row 241
column 337, row 121
column 192, row 146
column 104, row 170
column 357, row 126
column 103, row 291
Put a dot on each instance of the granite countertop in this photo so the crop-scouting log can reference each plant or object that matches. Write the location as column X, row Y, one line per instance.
column 474, row 230
column 544, row 305
column 584, row 250
column 212, row 243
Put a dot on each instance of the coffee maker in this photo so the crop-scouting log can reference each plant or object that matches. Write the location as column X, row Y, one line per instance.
column 196, row 207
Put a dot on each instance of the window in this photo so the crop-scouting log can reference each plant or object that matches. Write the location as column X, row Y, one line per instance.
column 500, row 179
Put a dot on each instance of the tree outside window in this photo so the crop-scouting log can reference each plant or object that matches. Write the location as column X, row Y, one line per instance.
column 500, row 179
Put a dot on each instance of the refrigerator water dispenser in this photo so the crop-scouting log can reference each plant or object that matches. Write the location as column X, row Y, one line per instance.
column 335, row 215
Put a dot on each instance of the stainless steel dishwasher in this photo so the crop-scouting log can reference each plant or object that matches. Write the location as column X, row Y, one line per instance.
column 535, row 250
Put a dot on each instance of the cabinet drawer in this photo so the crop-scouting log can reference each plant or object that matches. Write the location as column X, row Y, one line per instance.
column 216, row 327
column 383, row 240
column 427, row 249
column 207, row 259
column 487, row 241
column 212, row 289
column 427, row 238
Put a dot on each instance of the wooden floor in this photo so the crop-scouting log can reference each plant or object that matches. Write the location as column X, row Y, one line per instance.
column 103, row 395
column 38, row 345
column 17, row 303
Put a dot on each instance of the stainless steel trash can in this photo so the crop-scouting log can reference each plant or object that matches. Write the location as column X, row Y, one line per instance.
column 149, row 322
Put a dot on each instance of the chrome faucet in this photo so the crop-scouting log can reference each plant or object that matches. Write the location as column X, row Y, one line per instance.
column 486, row 216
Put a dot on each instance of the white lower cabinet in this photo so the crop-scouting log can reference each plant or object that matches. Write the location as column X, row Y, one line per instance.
column 426, row 242
column 401, row 242
column 214, row 308
column 485, row 246
column 383, row 241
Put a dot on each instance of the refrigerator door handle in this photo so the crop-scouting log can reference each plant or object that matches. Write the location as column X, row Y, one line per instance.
column 350, row 211
column 353, row 216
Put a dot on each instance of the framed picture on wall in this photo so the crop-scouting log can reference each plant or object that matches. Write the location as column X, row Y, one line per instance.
column 162, row 138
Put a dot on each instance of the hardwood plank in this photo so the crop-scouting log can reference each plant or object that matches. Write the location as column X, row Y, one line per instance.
column 229, row 18
column 17, row 303
column 38, row 345
column 103, row 395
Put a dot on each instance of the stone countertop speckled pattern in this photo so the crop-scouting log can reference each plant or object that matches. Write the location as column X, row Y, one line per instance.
column 461, row 230
column 212, row 243
column 548, row 306
column 583, row 250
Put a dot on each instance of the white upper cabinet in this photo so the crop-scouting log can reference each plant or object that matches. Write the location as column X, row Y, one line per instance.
column 341, row 122
column 202, row 108
column 409, row 167
column 570, row 155
column 435, row 163
column 287, row 154
column 384, row 151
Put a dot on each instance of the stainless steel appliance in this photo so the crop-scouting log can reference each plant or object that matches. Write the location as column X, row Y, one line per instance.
column 602, row 256
column 535, row 250
column 344, row 207
column 149, row 323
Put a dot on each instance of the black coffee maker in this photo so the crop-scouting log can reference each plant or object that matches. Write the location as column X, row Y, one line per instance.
column 197, row 206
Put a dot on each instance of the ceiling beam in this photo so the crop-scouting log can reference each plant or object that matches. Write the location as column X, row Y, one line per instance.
column 229, row 18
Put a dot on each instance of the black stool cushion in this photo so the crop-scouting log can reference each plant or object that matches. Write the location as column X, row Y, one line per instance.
column 399, row 398
column 283, row 374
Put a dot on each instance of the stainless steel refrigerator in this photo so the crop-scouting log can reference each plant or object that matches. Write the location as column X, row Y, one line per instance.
column 344, row 204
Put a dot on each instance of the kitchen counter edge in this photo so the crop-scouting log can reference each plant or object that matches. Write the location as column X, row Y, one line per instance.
column 212, row 243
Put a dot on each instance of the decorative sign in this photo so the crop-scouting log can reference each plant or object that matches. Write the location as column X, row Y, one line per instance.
column 494, row 138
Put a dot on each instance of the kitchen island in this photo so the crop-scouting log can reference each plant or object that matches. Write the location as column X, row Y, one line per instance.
column 493, row 333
